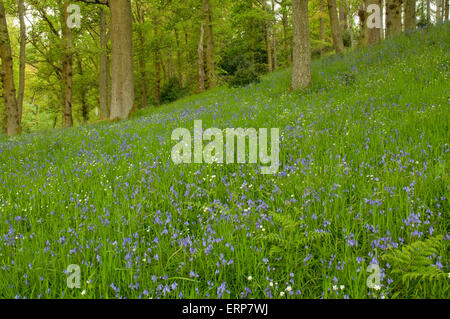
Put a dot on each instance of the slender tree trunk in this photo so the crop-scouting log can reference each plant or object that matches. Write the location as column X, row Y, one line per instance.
column 410, row 15
column 428, row 12
column 393, row 17
column 7, row 75
column 446, row 9
column 179, row 59
column 350, row 24
column 104, row 70
column 438, row 11
column 336, row 30
column 274, row 39
column 267, row 38
column 301, row 68
column 201, row 62
column 284, row 20
column 122, row 90
column 382, row 6
column 84, row 105
column 322, row 26
column 210, row 60
column 22, row 61
column 143, row 69
column 157, row 64
column 362, row 14
column 67, row 68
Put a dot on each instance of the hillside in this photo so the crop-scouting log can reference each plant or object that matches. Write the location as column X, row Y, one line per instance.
column 364, row 159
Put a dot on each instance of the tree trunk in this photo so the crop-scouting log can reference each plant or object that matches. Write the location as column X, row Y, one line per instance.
column 84, row 105
column 157, row 63
column 122, row 90
column 274, row 39
column 301, row 68
column 336, row 30
column 179, row 59
column 342, row 15
column 438, row 11
column 322, row 27
column 393, row 17
column 350, row 24
column 446, row 10
column 22, row 61
column 201, row 62
column 7, row 74
column 428, row 12
column 210, row 64
column 373, row 34
column 267, row 38
column 143, row 69
column 104, row 70
column 67, row 68
column 410, row 15
column 284, row 20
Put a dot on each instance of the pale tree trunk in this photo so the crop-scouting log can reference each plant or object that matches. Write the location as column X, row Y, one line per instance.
column 362, row 14
column 201, row 62
column 122, row 90
column 7, row 75
column 67, row 68
column 267, row 38
column 438, row 11
column 393, row 17
column 301, row 64
column 373, row 34
column 370, row 34
column 410, row 15
column 350, row 24
column 336, row 30
column 104, row 69
column 274, row 39
column 23, row 40
column 210, row 63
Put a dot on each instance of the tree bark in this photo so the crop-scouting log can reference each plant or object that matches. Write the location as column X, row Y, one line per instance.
column 267, row 38
column 438, row 11
column 122, row 90
column 301, row 68
column 410, row 15
column 446, row 10
column 322, row 26
column 274, row 39
column 104, row 69
column 393, row 17
column 13, row 126
column 336, row 30
column 84, row 105
column 22, row 61
column 201, row 62
column 67, row 68
column 210, row 60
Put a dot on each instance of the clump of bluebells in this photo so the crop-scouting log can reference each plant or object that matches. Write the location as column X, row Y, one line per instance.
column 364, row 171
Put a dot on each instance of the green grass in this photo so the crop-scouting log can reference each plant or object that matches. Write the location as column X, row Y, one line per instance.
column 365, row 162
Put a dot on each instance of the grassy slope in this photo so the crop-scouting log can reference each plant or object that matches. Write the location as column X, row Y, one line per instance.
column 365, row 161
